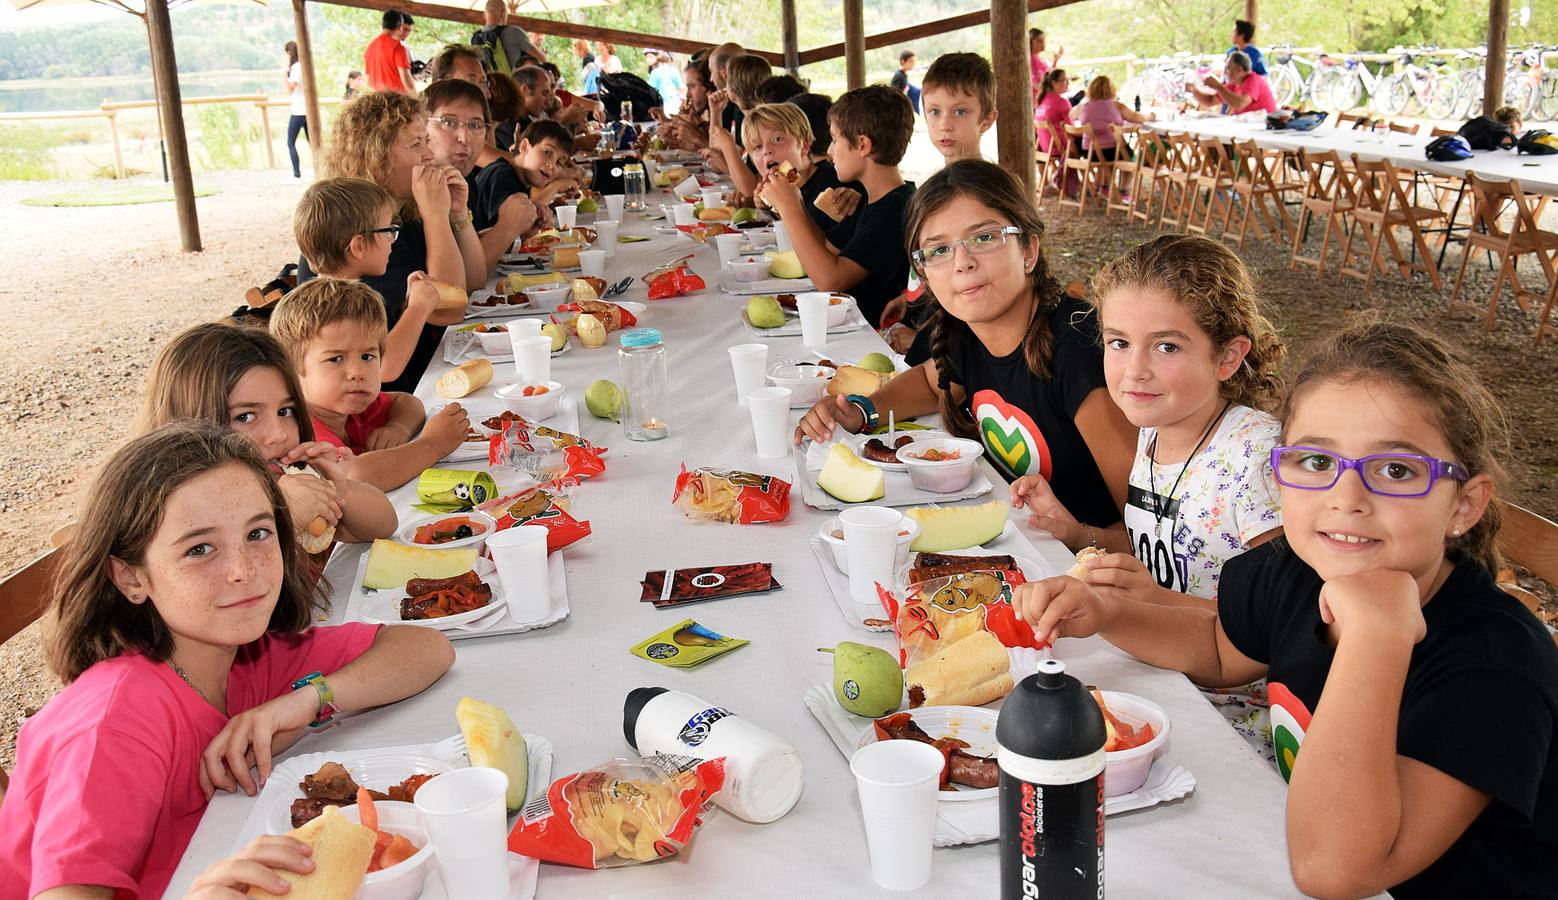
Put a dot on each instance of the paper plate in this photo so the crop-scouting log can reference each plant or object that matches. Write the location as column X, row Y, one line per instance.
column 972, row 724
column 383, row 607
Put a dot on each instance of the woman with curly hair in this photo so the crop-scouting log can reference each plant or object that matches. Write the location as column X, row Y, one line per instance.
column 382, row 137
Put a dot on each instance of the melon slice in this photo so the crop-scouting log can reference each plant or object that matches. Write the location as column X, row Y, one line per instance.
column 957, row 527
column 392, row 564
column 492, row 741
column 849, row 478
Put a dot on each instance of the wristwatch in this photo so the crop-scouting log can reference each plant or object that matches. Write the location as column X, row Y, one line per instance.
column 460, row 224
column 327, row 707
column 867, row 409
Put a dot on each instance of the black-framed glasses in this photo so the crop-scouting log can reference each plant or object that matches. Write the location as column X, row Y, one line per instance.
column 451, row 124
column 1386, row 474
column 392, row 230
column 987, row 241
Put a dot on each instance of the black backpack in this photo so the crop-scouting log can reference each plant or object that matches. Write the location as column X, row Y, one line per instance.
column 1537, row 142
column 1486, row 133
column 613, row 89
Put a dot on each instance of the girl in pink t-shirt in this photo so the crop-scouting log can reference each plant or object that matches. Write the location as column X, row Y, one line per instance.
column 1100, row 112
column 179, row 623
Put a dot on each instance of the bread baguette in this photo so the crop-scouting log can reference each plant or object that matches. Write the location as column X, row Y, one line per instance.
column 565, row 257
column 716, row 214
column 970, row 672
column 829, row 205
column 318, row 535
column 342, row 851
column 467, row 378
column 450, row 298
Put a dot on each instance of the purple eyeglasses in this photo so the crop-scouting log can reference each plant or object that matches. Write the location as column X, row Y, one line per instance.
column 1386, row 474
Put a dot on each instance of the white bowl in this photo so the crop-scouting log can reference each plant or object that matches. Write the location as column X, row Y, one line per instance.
column 407, row 532
column 837, row 311
column 807, row 382
column 911, row 530
column 534, row 408
column 749, row 268
column 495, row 343
column 402, row 881
column 547, row 296
column 943, row 476
column 1127, row 770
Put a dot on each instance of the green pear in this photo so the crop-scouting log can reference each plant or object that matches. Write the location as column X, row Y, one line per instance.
column 876, row 362
column 763, row 311
column 588, row 205
column 744, row 214
column 866, row 680
column 604, row 400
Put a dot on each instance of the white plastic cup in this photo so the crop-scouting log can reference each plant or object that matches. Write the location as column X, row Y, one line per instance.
column 520, row 556
column 532, row 357
column 686, row 187
column 749, row 362
column 813, row 307
column 520, row 329
column 898, row 783
column 782, row 237
column 467, row 822
column 871, row 548
column 592, row 262
column 606, row 237
column 614, row 206
column 729, row 247
column 770, row 409
column 713, row 197
column 682, row 214
column 567, row 216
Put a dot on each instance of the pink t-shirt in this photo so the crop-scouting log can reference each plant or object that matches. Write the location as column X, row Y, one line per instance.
column 1040, row 68
column 1097, row 116
column 1259, row 92
column 1055, row 109
column 106, row 789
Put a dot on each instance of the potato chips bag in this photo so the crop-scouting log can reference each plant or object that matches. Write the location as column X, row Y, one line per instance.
column 546, row 505
column 542, row 451
column 623, row 812
column 725, row 495
column 935, row 614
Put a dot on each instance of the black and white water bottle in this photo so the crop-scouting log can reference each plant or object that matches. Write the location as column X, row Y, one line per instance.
column 1050, row 738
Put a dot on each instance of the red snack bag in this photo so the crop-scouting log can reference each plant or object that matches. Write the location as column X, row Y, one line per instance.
column 545, row 505
column 611, row 315
column 937, row 613
column 623, row 812
column 546, row 453
column 726, row 495
column 674, row 283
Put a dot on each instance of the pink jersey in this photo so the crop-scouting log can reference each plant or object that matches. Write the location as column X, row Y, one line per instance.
column 1053, row 109
column 106, row 789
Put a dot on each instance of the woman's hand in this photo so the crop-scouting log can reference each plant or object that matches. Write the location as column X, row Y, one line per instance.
column 251, row 737
column 233, row 877
column 1061, row 607
column 430, row 190
column 825, row 414
column 1046, row 512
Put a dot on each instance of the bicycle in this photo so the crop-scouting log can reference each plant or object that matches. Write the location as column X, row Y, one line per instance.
column 1532, row 91
column 1418, row 89
column 1288, row 85
column 1354, row 83
column 1162, row 85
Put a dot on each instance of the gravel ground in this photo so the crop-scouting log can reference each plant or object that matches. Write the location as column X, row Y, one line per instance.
column 60, row 428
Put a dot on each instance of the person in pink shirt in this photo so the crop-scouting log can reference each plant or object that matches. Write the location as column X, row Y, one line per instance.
column 1038, row 68
column 1052, row 107
column 1100, row 112
column 1241, row 90
column 180, row 624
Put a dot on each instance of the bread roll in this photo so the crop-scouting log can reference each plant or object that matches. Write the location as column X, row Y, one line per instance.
column 716, row 214
column 468, row 378
column 1079, row 571
column 318, row 535
column 565, row 257
column 342, row 851
column 855, row 380
column 449, row 297
column 829, row 205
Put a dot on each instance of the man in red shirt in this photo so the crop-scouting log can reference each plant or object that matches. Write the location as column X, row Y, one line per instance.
column 387, row 62
column 1242, row 92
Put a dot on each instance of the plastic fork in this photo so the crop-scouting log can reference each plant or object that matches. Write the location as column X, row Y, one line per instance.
column 618, row 288
column 450, row 748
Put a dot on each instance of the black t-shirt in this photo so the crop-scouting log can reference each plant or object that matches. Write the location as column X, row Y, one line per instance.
column 1027, row 423
column 732, row 118
column 875, row 243
column 495, row 183
column 408, row 254
column 478, row 218
column 823, row 176
column 1479, row 704
column 899, row 82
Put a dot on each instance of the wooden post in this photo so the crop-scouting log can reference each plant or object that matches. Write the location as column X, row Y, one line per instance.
column 792, row 37
column 1498, row 56
column 170, row 111
column 316, row 128
column 1250, row 8
column 270, row 148
column 113, row 137
column 1013, row 99
column 854, row 44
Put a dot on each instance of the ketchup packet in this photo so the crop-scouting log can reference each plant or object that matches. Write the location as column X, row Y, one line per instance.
column 545, row 505
column 726, row 495
column 546, row 453
column 936, row 613
column 674, row 283
column 675, row 587
column 620, row 813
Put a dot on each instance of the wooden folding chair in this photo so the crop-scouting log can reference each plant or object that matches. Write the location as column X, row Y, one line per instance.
column 24, row 594
column 1522, row 238
column 1127, row 168
column 1547, row 311
column 1048, row 162
column 1350, row 120
column 1151, row 168
column 1214, row 183
column 1528, row 540
column 1087, row 164
column 1328, row 192
column 1263, row 178
column 1181, row 165
column 1382, row 206
column 1405, row 127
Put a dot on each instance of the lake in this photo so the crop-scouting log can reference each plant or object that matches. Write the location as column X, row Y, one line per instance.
column 87, row 93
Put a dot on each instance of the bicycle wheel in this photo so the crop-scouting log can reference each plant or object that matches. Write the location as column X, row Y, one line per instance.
column 1346, row 92
column 1468, row 95
column 1521, row 94
column 1441, row 100
column 1547, row 104
column 1394, row 95
column 1285, row 86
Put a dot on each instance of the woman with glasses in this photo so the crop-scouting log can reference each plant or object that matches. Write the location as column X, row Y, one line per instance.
column 1426, row 697
column 1014, row 363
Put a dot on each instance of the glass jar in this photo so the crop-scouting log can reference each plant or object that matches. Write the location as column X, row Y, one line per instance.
column 633, row 186
column 644, row 381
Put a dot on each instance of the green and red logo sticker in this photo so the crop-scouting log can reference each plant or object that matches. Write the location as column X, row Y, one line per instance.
column 1289, row 722
column 1009, row 434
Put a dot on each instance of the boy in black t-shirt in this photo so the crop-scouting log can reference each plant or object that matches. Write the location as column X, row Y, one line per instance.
column 865, row 256
column 543, row 151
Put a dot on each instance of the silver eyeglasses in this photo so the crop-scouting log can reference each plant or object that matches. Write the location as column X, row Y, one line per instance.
column 988, row 241
column 1387, row 474
column 450, row 123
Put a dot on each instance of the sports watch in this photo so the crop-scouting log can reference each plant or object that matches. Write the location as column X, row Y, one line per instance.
column 867, row 409
column 327, row 707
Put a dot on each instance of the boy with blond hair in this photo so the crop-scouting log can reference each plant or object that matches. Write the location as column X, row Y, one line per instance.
column 334, row 331
column 958, row 99
column 864, row 256
column 779, row 133
column 345, row 228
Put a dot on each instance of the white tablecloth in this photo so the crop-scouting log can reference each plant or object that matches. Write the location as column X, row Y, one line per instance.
column 568, row 682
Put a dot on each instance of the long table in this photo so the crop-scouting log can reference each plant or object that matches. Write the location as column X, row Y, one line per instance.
column 568, row 682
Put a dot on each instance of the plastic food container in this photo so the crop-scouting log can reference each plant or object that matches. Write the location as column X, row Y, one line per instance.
column 535, row 407
column 749, row 268
column 495, row 343
column 547, row 296
column 408, row 531
column 838, row 306
column 807, row 382
column 1127, row 770
column 832, row 534
column 941, row 476
column 402, row 881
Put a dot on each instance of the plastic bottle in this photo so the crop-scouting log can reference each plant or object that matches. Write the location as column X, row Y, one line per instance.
column 633, row 185
column 763, row 774
column 644, row 381
column 1050, row 748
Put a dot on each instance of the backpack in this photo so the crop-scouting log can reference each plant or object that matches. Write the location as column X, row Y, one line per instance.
column 1448, row 148
column 1486, row 133
column 494, row 55
column 1537, row 143
column 613, row 89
